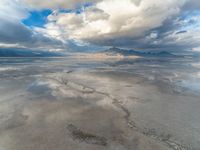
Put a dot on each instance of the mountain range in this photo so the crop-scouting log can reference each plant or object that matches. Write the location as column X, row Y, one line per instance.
column 118, row 51
column 26, row 53
column 111, row 52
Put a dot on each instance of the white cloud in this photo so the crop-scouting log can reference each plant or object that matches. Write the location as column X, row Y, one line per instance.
column 54, row 4
column 141, row 23
column 12, row 10
column 4, row 45
column 112, row 19
column 14, row 34
column 197, row 49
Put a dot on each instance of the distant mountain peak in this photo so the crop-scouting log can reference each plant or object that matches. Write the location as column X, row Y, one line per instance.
column 114, row 50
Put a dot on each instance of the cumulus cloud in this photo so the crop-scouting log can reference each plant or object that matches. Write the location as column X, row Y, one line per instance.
column 14, row 34
column 128, row 22
column 12, row 10
column 192, row 5
column 54, row 4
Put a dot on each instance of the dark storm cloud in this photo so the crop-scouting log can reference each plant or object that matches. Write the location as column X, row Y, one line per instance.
column 13, row 32
column 192, row 5
column 17, row 33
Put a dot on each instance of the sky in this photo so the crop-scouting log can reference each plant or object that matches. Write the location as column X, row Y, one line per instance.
column 84, row 25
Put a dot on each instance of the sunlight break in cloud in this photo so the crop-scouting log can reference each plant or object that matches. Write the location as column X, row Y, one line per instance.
column 146, row 24
column 110, row 21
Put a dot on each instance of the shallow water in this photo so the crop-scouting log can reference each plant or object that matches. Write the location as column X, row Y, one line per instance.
column 145, row 103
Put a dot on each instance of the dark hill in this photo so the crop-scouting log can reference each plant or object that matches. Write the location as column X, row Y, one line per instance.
column 114, row 51
column 26, row 53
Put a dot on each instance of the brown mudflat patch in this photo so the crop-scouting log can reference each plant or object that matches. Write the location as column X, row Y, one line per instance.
column 82, row 136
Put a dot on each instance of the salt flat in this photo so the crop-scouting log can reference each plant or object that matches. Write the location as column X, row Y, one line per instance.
column 70, row 104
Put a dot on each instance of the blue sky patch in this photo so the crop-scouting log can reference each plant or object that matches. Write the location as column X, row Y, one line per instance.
column 37, row 18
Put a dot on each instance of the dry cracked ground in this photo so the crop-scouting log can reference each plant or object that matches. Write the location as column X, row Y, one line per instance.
column 94, row 109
